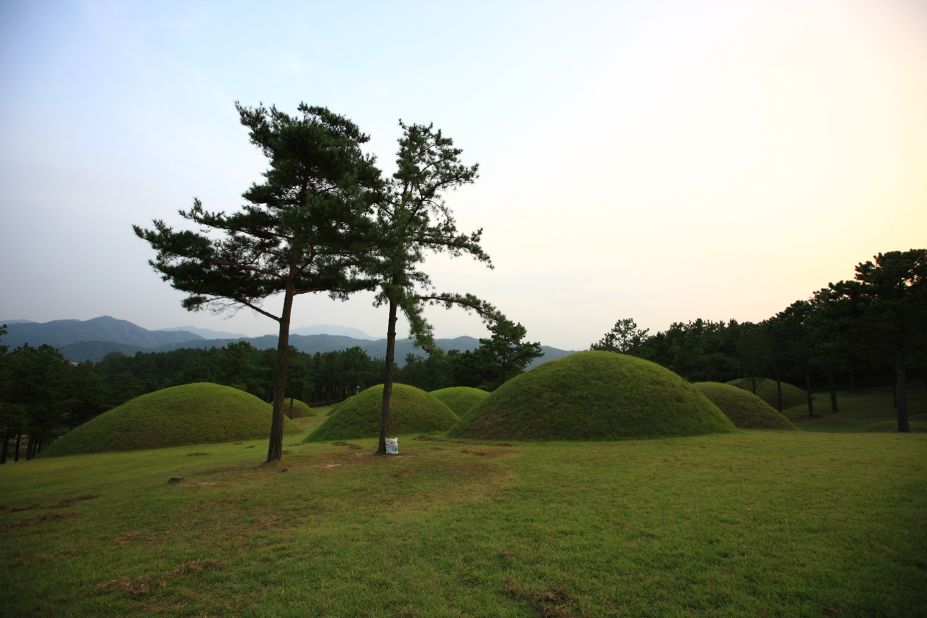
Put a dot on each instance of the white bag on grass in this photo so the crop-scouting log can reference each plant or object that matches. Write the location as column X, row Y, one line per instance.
column 392, row 446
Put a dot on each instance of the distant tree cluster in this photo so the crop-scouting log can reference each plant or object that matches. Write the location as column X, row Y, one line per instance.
column 498, row 358
column 872, row 327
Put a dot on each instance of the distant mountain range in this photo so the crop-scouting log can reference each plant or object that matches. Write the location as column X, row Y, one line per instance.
column 93, row 339
column 331, row 329
column 60, row 333
column 205, row 333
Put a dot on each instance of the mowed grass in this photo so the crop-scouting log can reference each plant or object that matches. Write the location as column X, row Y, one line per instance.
column 750, row 523
column 863, row 410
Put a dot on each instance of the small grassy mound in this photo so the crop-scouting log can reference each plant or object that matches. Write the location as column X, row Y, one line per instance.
column 593, row 396
column 412, row 410
column 294, row 408
column 766, row 390
column 187, row 414
column 460, row 398
column 745, row 409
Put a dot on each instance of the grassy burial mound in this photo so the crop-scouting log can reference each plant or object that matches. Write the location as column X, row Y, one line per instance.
column 412, row 410
column 460, row 398
column 294, row 408
column 745, row 409
column 187, row 414
column 766, row 390
column 593, row 396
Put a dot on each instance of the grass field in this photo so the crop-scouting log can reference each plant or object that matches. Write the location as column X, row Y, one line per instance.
column 751, row 523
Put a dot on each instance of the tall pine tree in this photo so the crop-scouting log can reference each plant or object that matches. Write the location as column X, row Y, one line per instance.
column 300, row 231
column 414, row 220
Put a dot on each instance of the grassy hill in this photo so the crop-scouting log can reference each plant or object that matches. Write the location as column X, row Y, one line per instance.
column 295, row 408
column 412, row 410
column 460, row 398
column 187, row 414
column 593, row 396
column 791, row 395
column 745, row 409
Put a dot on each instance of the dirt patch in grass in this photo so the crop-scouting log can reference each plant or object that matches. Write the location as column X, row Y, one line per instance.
column 56, row 505
column 350, row 445
column 41, row 519
column 197, row 566
column 76, row 499
column 132, row 586
column 148, row 584
column 548, row 603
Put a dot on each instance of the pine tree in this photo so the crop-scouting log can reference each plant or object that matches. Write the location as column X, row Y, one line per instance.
column 300, row 231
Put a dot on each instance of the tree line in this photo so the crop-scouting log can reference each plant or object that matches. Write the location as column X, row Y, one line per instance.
column 43, row 395
column 871, row 328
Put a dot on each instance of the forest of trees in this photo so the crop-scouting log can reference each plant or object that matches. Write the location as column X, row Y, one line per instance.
column 871, row 330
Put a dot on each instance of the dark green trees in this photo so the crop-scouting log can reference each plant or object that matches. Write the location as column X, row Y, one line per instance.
column 889, row 294
column 624, row 337
column 299, row 232
column 505, row 354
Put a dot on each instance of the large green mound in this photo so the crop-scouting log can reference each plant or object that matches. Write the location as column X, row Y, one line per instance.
column 460, row 398
column 294, row 408
column 766, row 390
column 187, row 414
column 412, row 410
column 745, row 409
column 593, row 396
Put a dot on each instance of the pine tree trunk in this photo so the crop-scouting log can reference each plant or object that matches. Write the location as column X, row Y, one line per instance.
column 388, row 378
column 833, row 391
column 6, row 444
column 275, row 446
column 901, row 395
column 808, row 392
column 852, row 379
column 19, row 439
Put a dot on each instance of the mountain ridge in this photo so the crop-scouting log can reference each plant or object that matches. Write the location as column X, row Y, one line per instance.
column 124, row 337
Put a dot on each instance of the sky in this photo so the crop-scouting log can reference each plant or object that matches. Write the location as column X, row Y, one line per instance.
column 660, row 160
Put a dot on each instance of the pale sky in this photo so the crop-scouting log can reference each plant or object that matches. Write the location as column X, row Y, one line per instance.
column 657, row 160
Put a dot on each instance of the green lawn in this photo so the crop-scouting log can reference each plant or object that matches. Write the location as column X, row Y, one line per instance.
column 752, row 523
column 864, row 410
